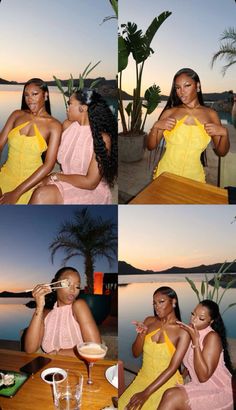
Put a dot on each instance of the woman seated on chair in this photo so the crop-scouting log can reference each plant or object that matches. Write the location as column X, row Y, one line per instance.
column 163, row 344
column 87, row 154
column 188, row 127
column 60, row 322
column 208, row 363
column 29, row 132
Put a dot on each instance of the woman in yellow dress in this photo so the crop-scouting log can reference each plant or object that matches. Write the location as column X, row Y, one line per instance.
column 29, row 132
column 163, row 344
column 188, row 126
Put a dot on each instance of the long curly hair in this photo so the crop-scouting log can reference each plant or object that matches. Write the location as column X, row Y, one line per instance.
column 51, row 298
column 43, row 86
column 166, row 290
column 101, row 120
column 219, row 327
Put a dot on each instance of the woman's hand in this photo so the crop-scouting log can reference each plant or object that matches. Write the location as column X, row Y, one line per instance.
column 39, row 293
column 215, row 129
column 137, row 401
column 9, row 198
column 166, row 124
column 141, row 328
column 192, row 331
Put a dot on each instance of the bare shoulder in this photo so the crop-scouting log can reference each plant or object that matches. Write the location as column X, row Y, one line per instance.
column 66, row 124
column 79, row 304
column 149, row 320
column 168, row 113
column 54, row 123
column 212, row 337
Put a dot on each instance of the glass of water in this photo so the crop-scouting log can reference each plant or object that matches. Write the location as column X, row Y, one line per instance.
column 68, row 393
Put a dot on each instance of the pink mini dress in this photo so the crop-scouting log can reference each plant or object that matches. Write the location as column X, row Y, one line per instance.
column 74, row 155
column 216, row 393
column 62, row 331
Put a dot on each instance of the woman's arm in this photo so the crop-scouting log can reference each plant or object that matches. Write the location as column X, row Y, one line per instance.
column 139, row 399
column 34, row 333
column 93, row 176
column 53, row 144
column 88, row 327
column 206, row 360
column 165, row 122
column 142, row 330
column 219, row 134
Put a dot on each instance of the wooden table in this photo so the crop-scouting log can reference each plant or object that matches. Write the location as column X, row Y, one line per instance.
column 173, row 189
column 35, row 394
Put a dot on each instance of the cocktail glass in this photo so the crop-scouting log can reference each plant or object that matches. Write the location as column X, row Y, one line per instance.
column 91, row 352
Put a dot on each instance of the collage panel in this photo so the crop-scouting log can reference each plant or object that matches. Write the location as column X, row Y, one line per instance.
column 177, row 339
column 177, row 102
column 58, row 102
column 58, row 306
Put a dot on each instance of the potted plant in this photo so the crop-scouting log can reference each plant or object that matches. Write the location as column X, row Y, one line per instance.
column 89, row 237
column 132, row 41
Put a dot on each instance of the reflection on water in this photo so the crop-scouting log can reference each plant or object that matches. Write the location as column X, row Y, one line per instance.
column 14, row 316
column 139, row 296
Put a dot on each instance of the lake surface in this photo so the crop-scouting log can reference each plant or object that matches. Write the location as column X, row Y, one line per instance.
column 135, row 303
column 14, row 317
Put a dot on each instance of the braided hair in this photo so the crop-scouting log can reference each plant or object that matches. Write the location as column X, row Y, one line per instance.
column 101, row 120
column 219, row 327
column 51, row 298
column 43, row 86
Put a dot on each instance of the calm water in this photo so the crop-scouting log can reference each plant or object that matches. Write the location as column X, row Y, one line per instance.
column 138, row 296
column 14, row 316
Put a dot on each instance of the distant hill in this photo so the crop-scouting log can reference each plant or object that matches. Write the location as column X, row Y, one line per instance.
column 211, row 97
column 7, row 294
column 127, row 269
column 107, row 88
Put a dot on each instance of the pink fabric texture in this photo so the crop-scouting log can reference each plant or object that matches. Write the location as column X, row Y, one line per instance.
column 74, row 155
column 62, row 331
column 215, row 393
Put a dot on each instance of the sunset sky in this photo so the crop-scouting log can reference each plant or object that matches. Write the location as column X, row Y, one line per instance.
column 188, row 38
column 157, row 237
column 27, row 232
column 50, row 37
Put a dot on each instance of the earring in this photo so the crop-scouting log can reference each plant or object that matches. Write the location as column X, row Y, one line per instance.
column 81, row 109
column 198, row 89
column 174, row 305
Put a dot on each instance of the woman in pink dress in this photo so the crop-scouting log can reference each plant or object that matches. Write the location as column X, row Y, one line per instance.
column 60, row 321
column 208, row 362
column 87, row 154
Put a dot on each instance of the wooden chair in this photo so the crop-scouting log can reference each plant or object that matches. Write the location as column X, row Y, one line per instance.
column 121, row 378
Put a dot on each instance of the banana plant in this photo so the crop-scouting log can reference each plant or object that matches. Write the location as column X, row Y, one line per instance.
column 132, row 41
column 71, row 88
column 213, row 294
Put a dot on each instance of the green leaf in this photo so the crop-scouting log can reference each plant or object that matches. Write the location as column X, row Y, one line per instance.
column 91, row 69
column 123, row 54
column 128, row 108
column 81, row 82
column 231, row 305
column 191, row 283
column 153, row 97
column 58, row 83
column 203, row 289
column 86, row 68
column 155, row 25
column 114, row 4
column 95, row 82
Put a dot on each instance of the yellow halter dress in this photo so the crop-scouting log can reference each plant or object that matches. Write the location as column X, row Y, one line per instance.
column 156, row 359
column 184, row 145
column 24, row 158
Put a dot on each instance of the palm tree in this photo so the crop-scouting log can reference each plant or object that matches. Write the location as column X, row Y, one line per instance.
column 87, row 236
column 227, row 49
